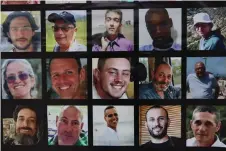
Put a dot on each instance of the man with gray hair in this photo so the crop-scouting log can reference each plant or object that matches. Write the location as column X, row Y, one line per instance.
column 205, row 124
column 69, row 125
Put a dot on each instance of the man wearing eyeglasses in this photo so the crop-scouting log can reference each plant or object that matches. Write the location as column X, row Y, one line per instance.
column 19, row 28
column 159, row 26
column 64, row 32
column 157, row 123
column 109, row 136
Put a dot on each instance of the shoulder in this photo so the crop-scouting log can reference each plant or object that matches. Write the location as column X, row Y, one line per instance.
column 190, row 141
column 9, row 141
column 146, row 48
column 82, row 47
column 146, row 91
column 192, row 75
column 176, row 139
column 176, row 46
column 147, row 144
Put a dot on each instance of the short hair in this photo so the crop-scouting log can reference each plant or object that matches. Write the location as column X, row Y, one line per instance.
column 29, row 68
column 108, row 107
column 157, row 107
column 76, row 59
column 117, row 11
column 155, row 11
column 205, row 108
column 101, row 62
column 67, row 106
column 161, row 63
column 15, row 14
column 200, row 62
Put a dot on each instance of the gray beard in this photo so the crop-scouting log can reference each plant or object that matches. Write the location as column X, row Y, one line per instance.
column 22, row 139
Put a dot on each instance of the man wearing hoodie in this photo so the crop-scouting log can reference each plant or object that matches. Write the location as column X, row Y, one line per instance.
column 211, row 40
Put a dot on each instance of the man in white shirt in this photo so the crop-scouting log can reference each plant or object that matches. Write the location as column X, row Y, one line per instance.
column 109, row 137
column 204, row 124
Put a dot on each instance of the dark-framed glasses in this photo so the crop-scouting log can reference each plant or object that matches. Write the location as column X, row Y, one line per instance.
column 63, row 28
column 111, row 115
column 12, row 78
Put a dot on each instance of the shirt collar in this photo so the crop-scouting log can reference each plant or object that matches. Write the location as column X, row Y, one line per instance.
column 172, row 47
column 73, row 47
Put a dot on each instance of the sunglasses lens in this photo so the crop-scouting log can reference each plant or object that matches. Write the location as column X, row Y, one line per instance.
column 11, row 79
column 23, row 76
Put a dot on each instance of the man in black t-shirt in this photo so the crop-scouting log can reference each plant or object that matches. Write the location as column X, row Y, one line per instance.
column 157, row 123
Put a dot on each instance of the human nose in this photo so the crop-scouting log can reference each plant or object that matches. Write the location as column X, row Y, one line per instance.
column 202, row 128
column 118, row 77
column 25, row 123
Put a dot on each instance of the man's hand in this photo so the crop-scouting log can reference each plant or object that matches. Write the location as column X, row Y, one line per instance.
column 104, row 43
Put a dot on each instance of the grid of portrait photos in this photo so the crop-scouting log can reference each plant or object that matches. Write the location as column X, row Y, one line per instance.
column 122, row 74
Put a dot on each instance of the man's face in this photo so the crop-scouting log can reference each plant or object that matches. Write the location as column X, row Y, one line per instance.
column 159, row 26
column 111, row 117
column 157, row 123
column 115, row 77
column 65, row 77
column 26, row 122
column 20, row 32
column 200, row 69
column 112, row 23
column 69, row 126
column 203, row 29
column 64, row 33
column 204, row 127
column 162, row 77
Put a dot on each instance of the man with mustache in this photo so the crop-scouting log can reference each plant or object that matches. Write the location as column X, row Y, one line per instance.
column 201, row 83
column 110, row 137
column 210, row 40
column 111, row 78
column 19, row 28
column 28, row 126
column 159, row 27
column 160, row 87
column 157, row 123
column 112, row 39
column 69, row 125
column 64, row 32
column 205, row 124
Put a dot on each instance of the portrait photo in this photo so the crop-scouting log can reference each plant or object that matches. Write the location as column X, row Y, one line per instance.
column 64, row 1
column 159, row 78
column 160, row 29
column 19, row 2
column 67, row 125
column 112, row 30
column 20, row 31
column 21, row 79
column 66, row 31
column 114, row 125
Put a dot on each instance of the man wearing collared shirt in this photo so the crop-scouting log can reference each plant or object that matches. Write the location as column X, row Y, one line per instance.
column 109, row 136
column 159, row 27
column 160, row 87
column 204, row 124
column 112, row 39
column 111, row 78
column 64, row 32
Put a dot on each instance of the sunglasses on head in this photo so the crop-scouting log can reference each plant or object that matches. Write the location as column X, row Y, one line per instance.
column 63, row 28
column 12, row 78
column 111, row 115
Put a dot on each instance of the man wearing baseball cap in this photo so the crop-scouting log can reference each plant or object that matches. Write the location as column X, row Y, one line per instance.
column 19, row 27
column 64, row 32
column 211, row 40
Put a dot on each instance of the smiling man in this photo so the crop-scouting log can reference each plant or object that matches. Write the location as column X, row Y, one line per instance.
column 112, row 39
column 111, row 78
column 205, row 124
column 65, row 32
column 67, row 75
column 19, row 28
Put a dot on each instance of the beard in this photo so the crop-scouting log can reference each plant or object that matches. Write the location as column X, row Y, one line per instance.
column 158, row 83
column 163, row 42
column 24, row 139
column 23, row 49
column 160, row 135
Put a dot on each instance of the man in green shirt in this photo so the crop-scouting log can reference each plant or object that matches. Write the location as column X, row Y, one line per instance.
column 69, row 125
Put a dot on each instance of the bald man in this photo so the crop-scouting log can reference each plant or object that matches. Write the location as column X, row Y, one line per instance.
column 69, row 125
column 201, row 83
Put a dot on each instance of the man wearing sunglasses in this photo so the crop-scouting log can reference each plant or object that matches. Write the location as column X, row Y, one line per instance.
column 64, row 32
column 159, row 26
column 109, row 136
column 19, row 28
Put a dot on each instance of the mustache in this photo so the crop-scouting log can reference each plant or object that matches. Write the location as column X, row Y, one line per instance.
column 68, row 134
column 26, row 128
column 157, row 127
column 21, row 39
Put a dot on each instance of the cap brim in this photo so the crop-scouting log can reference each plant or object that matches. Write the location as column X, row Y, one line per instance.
column 54, row 16
column 207, row 22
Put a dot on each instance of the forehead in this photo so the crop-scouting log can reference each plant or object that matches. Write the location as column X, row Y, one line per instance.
column 16, row 67
column 164, row 68
column 68, row 63
column 156, row 17
column 112, row 15
column 110, row 111
column 198, row 65
column 204, row 116
column 117, row 63
column 27, row 113
column 156, row 112
column 71, row 113
column 19, row 21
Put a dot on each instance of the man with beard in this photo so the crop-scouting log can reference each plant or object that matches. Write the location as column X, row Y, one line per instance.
column 201, row 83
column 28, row 126
column 112, row 39
column 20, row 28
column 205, row 124
column 111, row 78
column 157, row 123
column 109, row 137
column 69, row 125
column 159, row 27
column 160, row 87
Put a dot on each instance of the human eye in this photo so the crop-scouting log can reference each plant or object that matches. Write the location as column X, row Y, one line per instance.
column 55, row 75
column 14, row 29
column 75, row 123
column 112, row 72
column 64, row 121
column 126, row 73
column 69, row 72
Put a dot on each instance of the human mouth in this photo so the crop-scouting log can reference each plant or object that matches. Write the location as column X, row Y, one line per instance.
column 22, row 40
column 118, row 87
column 18, row 86
column 64, row 87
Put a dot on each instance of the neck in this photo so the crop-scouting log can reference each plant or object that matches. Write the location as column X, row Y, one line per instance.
column 29, row 49
column 114, row 128
column 206, row 144
column 112, row 37
column 159, row 141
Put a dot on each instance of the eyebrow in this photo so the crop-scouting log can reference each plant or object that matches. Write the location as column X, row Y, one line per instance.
column 28, row 117
column 118, row 69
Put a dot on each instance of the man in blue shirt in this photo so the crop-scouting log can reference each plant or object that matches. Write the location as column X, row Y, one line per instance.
column 201, row 83
column 211, row 40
